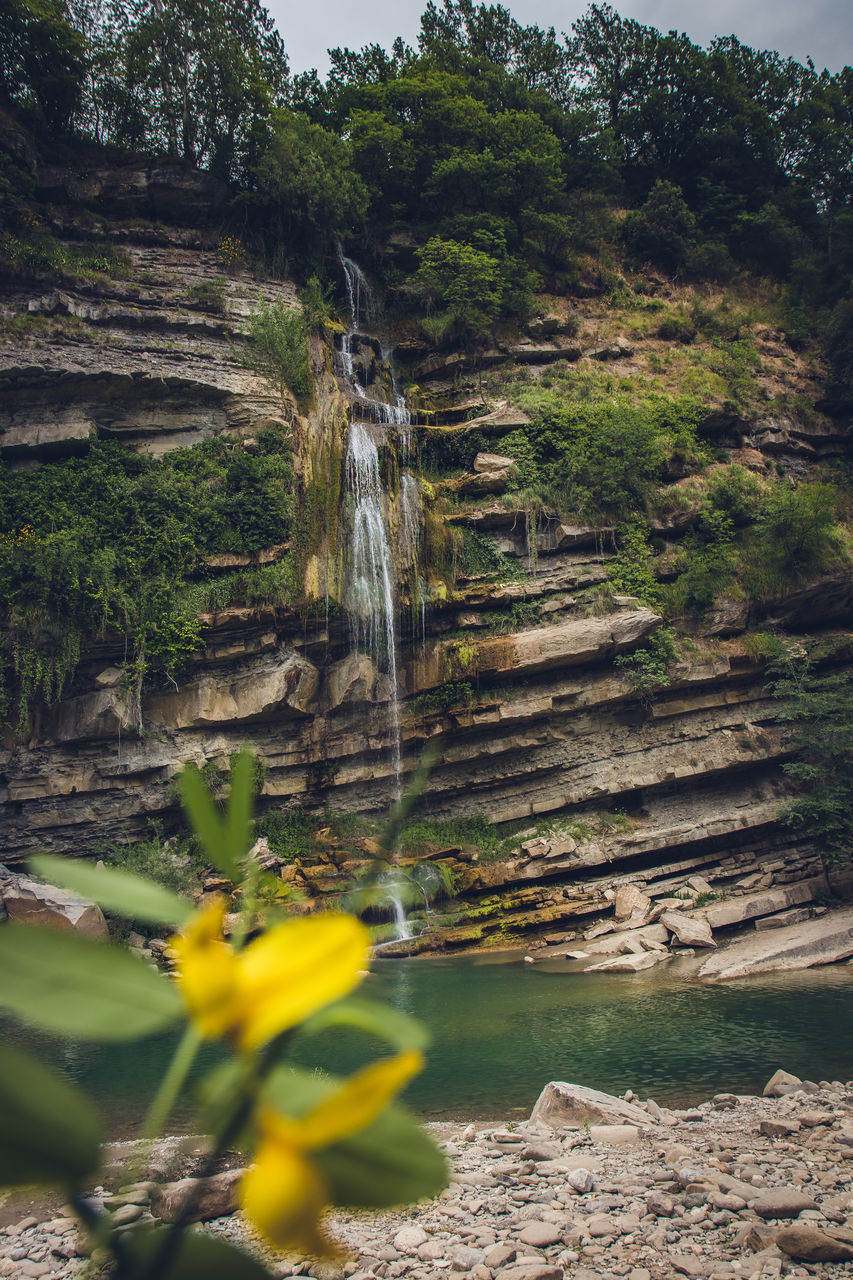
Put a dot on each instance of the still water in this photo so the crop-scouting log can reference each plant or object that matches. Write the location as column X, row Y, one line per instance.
column 503, row 1030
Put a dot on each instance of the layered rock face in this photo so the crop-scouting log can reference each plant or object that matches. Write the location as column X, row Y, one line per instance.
column 537, row 723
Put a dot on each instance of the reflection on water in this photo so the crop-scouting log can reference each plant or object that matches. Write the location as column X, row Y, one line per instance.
column 502, row 1031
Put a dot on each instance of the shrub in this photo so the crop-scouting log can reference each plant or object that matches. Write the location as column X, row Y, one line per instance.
column 209, row 294
column 277, row 347
column 663, row 230
column 796, row 534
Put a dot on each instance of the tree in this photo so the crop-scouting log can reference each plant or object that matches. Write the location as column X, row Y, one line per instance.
column 462, row 282
column 41, row 59
column 664, row 230
column 817, row 708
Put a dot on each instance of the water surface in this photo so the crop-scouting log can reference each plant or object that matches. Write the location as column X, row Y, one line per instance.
column 501, row 1031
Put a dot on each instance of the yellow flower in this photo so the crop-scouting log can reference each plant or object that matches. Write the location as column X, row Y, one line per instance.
column 284, row 1192
column 275, row 982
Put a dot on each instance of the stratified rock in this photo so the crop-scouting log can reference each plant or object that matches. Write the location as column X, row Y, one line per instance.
column 197, row 1199
column 630, row 901
column 808, row 1243
column 822, row 941
column 571, row 1106
column 29, row 901
column 689, row 931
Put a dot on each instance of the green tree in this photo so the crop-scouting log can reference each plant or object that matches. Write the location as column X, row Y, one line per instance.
column 817, row 709
column 462, row 283
column 42, row 59
column 664, row 230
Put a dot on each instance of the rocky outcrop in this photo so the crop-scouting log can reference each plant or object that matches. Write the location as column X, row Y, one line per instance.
column 801, row 946
column 571, row 1106
column 29, row 901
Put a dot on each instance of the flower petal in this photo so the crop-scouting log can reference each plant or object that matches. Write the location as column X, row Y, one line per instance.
column 295, row 969
column 207, row 972
column 359, row 1100
column 283, row 1194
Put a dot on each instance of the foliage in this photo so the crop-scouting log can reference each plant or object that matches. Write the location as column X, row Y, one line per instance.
column 209, row 294
column 796, row 535
column 462, row 283
column 630, row 571
column 42, row 59
column 663, row 230
column 311, row 1142
column 108, row 541
column 647, row 667
column 276, row 347
column 816, row 708
column 478, row 557
column 452, row 693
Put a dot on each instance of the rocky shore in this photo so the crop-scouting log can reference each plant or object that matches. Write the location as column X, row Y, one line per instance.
column 591, row 1187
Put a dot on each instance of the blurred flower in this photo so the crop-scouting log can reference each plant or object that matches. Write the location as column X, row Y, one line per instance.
column 275, row 982
column 284, row 1192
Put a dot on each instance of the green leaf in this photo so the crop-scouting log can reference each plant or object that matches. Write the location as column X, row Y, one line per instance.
column 119, row 891
column 50, row 1132
column 205, row 821
column 392, row 1161
column 80, row 988
column 240, row 805
column 199, row 1256
column 398, row 1029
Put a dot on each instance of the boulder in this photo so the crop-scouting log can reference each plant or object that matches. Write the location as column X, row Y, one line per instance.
column 800, row 946
column 631, row 901
column 571, row 1106
column 197, row 1199
column 689, row 931
column 781, row 1083
column 270, row 686
column 807, row 1243
column 31, row 902
column 782, row 1202
column 722, row 915
column 615, row 1134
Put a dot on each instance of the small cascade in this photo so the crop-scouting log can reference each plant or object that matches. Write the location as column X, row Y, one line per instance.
column 396, row 891
column 376, row 559
column 369, row 595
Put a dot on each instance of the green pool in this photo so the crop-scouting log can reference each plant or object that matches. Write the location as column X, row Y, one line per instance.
column 502, row 1030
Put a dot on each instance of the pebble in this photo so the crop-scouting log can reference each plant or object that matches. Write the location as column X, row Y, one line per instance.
column 739, row 1188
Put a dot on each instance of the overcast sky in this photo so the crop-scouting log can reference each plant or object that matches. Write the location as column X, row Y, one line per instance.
column 822, row 29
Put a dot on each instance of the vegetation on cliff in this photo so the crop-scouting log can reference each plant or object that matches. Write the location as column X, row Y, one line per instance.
column 698, row 201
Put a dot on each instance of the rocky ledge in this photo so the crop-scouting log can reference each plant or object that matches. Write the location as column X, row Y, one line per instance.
column 592, row 1187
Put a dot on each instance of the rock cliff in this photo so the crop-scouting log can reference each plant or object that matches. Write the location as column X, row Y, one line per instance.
column 533, row 725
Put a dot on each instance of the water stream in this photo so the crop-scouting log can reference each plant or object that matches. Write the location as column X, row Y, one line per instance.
column 374, row 564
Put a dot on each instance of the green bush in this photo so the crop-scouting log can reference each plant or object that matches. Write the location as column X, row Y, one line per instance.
column 209, row 294
column 796, row 535
column 277, row 347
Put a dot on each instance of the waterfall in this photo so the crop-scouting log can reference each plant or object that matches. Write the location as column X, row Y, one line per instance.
column 369, row 596
column 373, row 568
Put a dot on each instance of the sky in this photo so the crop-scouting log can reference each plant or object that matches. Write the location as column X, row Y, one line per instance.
column 822, row 29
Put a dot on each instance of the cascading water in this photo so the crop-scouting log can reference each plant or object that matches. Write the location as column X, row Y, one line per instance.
column 369, row 595
column 369, row 592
